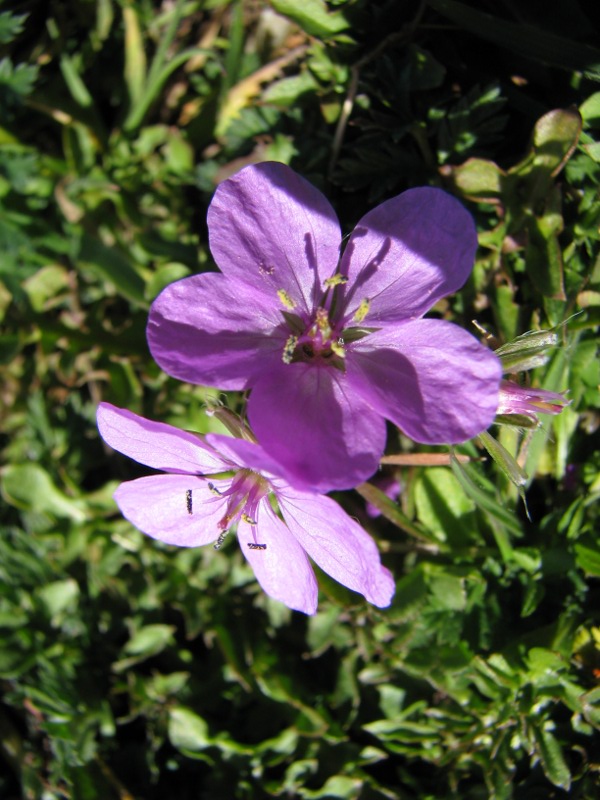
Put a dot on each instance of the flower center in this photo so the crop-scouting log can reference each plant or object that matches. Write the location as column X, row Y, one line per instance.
column 317, row 342
column 243, row 496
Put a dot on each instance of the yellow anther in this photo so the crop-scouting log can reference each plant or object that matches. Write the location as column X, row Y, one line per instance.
column 362, row 311
column 322, row 321
column 248, row 519
column 336, row 280
column 289, row 349
column 285, row 299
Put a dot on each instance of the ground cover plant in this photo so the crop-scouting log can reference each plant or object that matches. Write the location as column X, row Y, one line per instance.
column 135, row 668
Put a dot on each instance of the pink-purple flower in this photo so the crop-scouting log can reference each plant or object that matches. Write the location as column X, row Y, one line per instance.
column 213, row 484
column 330, row 343
column 525, row 401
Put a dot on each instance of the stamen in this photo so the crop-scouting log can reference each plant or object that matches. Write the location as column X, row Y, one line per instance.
column 248, row 519
column 285, row 299
column 362, row 311
column 288, row 350
column 214, row 489
column 253, row 546
column 322, row 322
column 336, row 280
column 219, row 543
column 188, row 501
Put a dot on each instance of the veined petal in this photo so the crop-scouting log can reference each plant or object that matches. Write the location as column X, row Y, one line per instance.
column 406, row 254
column 271, row 229
column 245, row 454
column 210, row 330
column 308, row 419
column 156, row 444
column 283, row 570
column 176, row 509
column 431, row 378
column 337, row 544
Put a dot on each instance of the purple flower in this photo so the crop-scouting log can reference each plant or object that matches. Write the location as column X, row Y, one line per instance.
column 330, row 346
column 193, row 504
column 527, row 402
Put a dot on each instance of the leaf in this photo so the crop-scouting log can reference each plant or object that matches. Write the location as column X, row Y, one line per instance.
column 187, row 731
column 486, row 501
column 30, row 487
column 504, row 460
column 529, row 41
column 553, row 761
column 478, row 179
column 11, row 25
column 149, row 640
column 440, row 501
column 111, row 265
column 312, row 16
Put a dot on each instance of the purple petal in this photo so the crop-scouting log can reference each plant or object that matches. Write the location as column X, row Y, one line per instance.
column 307, row 419
column 406, row 254
column 160, row 506
column 214, row 331
column 283, row 570
column 245, row 454
column 156, row 444
column 337, row 544
column 431, row 378
column 271, row 229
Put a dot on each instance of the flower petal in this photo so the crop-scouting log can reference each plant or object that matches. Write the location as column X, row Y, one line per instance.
column 431, row 378
column 214, row 331
column 160, row 506
column 283, row 570
column 337, row 544
column 156, row 444
column 245, row 454
column 271, row 229
column 406, row 254
column 307, row 419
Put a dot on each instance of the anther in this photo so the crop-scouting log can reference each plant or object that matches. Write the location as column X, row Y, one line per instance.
column 214, row 489
column 219, row 543
column 288, row 350
column 253, row 546
column 362, row 311
column 188, row 500
column 248, row 519
column 285, row 299
column 336, row 280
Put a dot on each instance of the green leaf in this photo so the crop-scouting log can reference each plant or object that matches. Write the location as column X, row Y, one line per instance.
column 440, row 501
column 312, row 16
column 553, row 761
column 486, row 501
column 504, row 460
column 11, row 25
column 187, row 731
column 478, row 179
column 111, row 265
column 30, row 487
column 149, row 640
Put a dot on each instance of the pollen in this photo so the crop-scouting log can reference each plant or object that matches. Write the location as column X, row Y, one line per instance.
column 362, row 311
column 336, row 280
column 286, row 299
column 289, row 349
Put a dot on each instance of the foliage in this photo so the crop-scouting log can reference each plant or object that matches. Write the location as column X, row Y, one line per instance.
column 132, row 669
